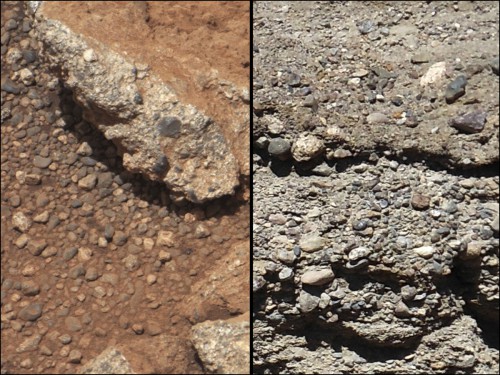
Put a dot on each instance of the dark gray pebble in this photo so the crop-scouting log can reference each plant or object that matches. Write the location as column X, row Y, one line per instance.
column 472, row 122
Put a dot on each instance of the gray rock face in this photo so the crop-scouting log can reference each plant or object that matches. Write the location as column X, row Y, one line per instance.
column 110, row 361
column 158, row 135
column 210, row 338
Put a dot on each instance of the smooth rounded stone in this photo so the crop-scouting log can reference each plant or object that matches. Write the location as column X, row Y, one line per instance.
column 455, row 89
column 31, row 312
column 33, row 179
column 73, row 324
column 30, row 288
column 425, row 251
column 494, row 65
column 153, row 328
column 355, row 265
column 311, row 102
column 307, row 302
column 360, row 224
column 151, row 279
column 75, row 356
column 377, row 118
column 110, row 278
column 22, row 241
column 408, row 292
column 88, row 182
column 317, row 277
column 164, row 256
column 70, row 253
column 322, row 170
column 91, row 274
column 21, row 222
column 261, row 143
column 307, row 147
column 76, row 271
column 119, row 238
column 9, row 86
column 65, row 339
column 88, row 161
column 285, row 274
column 312, row 242
column 472, row 122
column 258, row 282
column 109, row 232
column 358, row 253
column 360, row 73
column 15, row 201
column 420, row 201
column 11, row 24
column 285, row 256
column 279, row 148
column 450, row 207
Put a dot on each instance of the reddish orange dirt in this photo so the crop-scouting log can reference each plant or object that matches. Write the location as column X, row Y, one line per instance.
column 123, row 291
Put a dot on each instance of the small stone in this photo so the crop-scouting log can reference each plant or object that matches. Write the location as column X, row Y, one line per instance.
column 65, row 339
column 285, row 256
column 36, row 246
column 455, row 89
column 420, row 201
column 165, row 238
column 285, row 274
column 279, row 148
column 21, row 222
column 89, row 55
column 27, row 76
column 151, row 279
column 164, row 256
column 120, row 238
column 42, row 218
column 358, row 253
column 30, row 288
column 408, row 292
column 88, row 182
column 33, row 179
column 307, row 302
column 31, row 312
column 84, row 254
column 420, row 58
column 73, row 324
column 30, row 344
column 69, row 254
column 434, row 74
column 312, row 242
column 307, row 147
column 153, row 328
column 360, row 73
column 317, row 277
column 131, row 262
column 401, row 310
column 377, row 118
column 138, row 328
column 473, row 250
column 425, row 251
column 494, row 65
column 75, row 356
column 21, row 241
column 472, row 122
column 91, row 274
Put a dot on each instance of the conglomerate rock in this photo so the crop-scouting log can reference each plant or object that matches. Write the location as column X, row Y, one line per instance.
column 159, row 134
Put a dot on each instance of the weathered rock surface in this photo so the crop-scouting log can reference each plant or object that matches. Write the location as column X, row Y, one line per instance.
column 110, row 361
column 149, row 104
column 211, row 339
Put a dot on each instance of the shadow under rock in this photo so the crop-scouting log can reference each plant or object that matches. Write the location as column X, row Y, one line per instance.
column 105, row 152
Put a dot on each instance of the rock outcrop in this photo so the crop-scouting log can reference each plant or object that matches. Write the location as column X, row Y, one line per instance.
column 172, row 114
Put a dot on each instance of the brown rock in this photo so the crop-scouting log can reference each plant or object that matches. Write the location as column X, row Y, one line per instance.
column 420, row 201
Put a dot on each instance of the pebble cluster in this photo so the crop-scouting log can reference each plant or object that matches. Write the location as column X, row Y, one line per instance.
column 368, row 254
column 91, row 254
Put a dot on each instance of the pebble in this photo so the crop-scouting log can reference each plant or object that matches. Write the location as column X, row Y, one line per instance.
column 420, row 58
column 73, row 324
column 317, row 277
column 153, row 328
column 434, row 74
column 75, row 356
column 455, row 89
column 279, row 148
column 138, row 328
column 119, row 238
column 30, row 344
column 307, row 302
column 377, row 118
column 285, row 274
column 306, row 147
column 472, row 122
column 420, row 201
column 21, row 222
column 358, row 253
column 31, row 312
column 88, row 182
column 494, row 65
column 42, row 217
column 425, row 251
column 312, row 242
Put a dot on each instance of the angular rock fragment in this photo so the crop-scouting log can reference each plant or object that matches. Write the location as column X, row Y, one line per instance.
column 472, row 122
column 158, row 132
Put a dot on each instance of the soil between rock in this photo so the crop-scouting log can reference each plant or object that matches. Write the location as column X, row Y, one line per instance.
column 93, row 256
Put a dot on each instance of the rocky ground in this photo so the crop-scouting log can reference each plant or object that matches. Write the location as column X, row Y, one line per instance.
column 96, row 259
column 376, row 187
